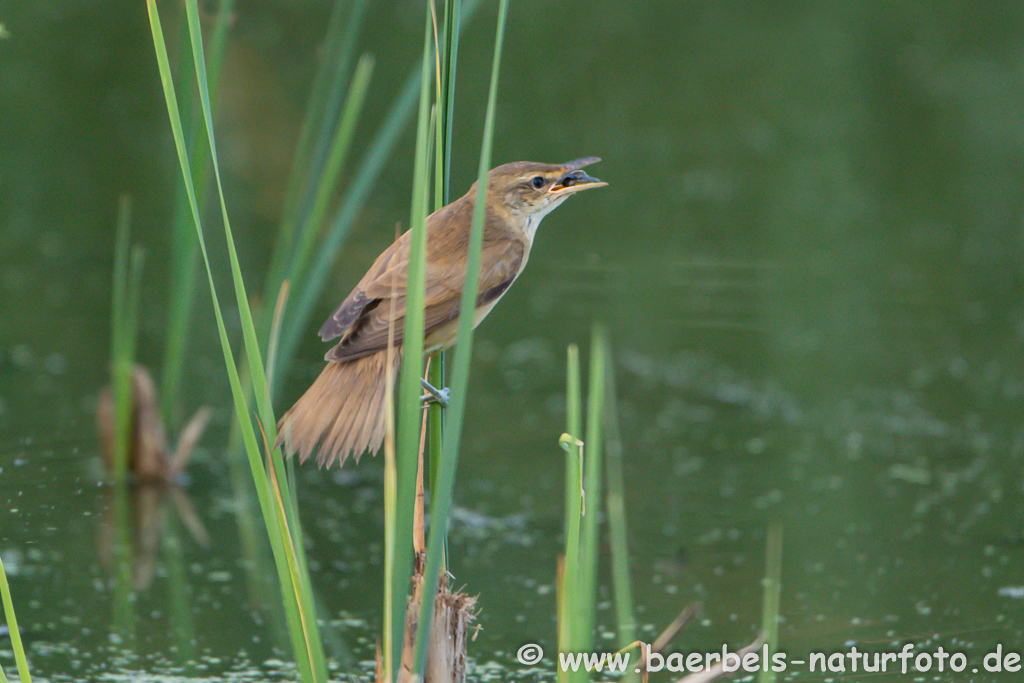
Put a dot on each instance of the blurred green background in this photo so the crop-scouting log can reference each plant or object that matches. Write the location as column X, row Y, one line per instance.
column 809, row 258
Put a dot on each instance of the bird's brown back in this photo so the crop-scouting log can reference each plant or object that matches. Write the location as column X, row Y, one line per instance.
column 378, row 302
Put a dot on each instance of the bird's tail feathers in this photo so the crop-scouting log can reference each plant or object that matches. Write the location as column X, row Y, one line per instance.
column 343, row 411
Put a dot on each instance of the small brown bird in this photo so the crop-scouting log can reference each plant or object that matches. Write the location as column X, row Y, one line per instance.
column 343, row 410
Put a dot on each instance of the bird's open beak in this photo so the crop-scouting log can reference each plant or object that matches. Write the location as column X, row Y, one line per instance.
column 575, row 179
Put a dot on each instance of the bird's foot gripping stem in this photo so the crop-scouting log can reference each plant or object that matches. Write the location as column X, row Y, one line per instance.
column 439, row 396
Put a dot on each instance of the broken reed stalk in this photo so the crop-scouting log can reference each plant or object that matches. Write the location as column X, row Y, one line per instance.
column 452, row 616
column 453, row 611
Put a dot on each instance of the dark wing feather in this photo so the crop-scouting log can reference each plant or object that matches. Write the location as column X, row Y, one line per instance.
column 391, row 267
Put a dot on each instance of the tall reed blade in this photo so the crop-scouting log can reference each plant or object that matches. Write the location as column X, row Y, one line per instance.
column 447, row 55
column 330, row 87
column 409, row 411
column 617, row 528
column 440, row 507
column 573, row 446
column 124, row 333
column 592, row 487
column 298, row 607
column 257, row 371
column 336, row 155
column 184, row 251
column 446, row 100
column 772, row 595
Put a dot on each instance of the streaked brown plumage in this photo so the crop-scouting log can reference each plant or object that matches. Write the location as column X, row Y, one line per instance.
column 343, row 411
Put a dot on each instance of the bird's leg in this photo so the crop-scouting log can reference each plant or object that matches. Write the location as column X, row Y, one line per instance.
column 439, row 396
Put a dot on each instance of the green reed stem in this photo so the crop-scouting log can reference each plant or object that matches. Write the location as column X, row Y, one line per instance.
column 440, row 507
column 772, row 594
column 409, row 410
column 448, row 49
column 12, row 626
column 592, row 485
column 618, row 532
column 568, row 594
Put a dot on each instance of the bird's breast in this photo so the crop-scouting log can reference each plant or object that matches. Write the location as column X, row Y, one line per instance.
column 446, row 335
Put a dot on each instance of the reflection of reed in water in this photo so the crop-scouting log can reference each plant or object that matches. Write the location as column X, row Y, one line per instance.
column 145, row 520
column 142, row 505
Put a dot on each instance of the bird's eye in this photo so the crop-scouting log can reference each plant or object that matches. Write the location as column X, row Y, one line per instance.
column 538, row 181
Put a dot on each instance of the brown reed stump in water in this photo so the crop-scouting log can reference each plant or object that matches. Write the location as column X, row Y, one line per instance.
column 148, row 456
column 446, row 650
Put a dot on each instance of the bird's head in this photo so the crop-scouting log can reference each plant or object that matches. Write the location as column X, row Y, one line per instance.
column 528, row 191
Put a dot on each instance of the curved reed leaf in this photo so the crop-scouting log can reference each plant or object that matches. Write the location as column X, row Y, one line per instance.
column 12, row 626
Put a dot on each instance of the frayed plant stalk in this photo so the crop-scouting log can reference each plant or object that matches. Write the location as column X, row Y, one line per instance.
column 147, row 451
column 453, row 614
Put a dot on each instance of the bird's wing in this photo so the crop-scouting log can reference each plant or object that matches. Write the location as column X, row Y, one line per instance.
column 376, row 305
column 388, row 276
column 367, row 293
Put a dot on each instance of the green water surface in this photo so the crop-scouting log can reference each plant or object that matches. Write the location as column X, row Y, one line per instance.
column 809, row 258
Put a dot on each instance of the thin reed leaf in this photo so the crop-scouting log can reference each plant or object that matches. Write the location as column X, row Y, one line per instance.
column 446, row 103
column 275, row 329
column 391, row 585
column 592, row 485
column 447, row 55
column 440, row 507
column 618, row 531
column 299, row 576
column 772, row 595
column 12, row 627
column 409, row 411
column 124, row 334
column 120, row 369
column 365, row 177
column 293, row 552
column 125, row 362
column 251, row 345
column 319, row 125
column 184, row 250
column 305, row 651
column 336, row 157
column 257, row 372
column 183, row 268
column 119, row 287
column 390, row 509
column 435, row 421
column 568, row 600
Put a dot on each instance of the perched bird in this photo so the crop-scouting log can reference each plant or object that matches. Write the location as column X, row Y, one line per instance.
column 344, row 411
